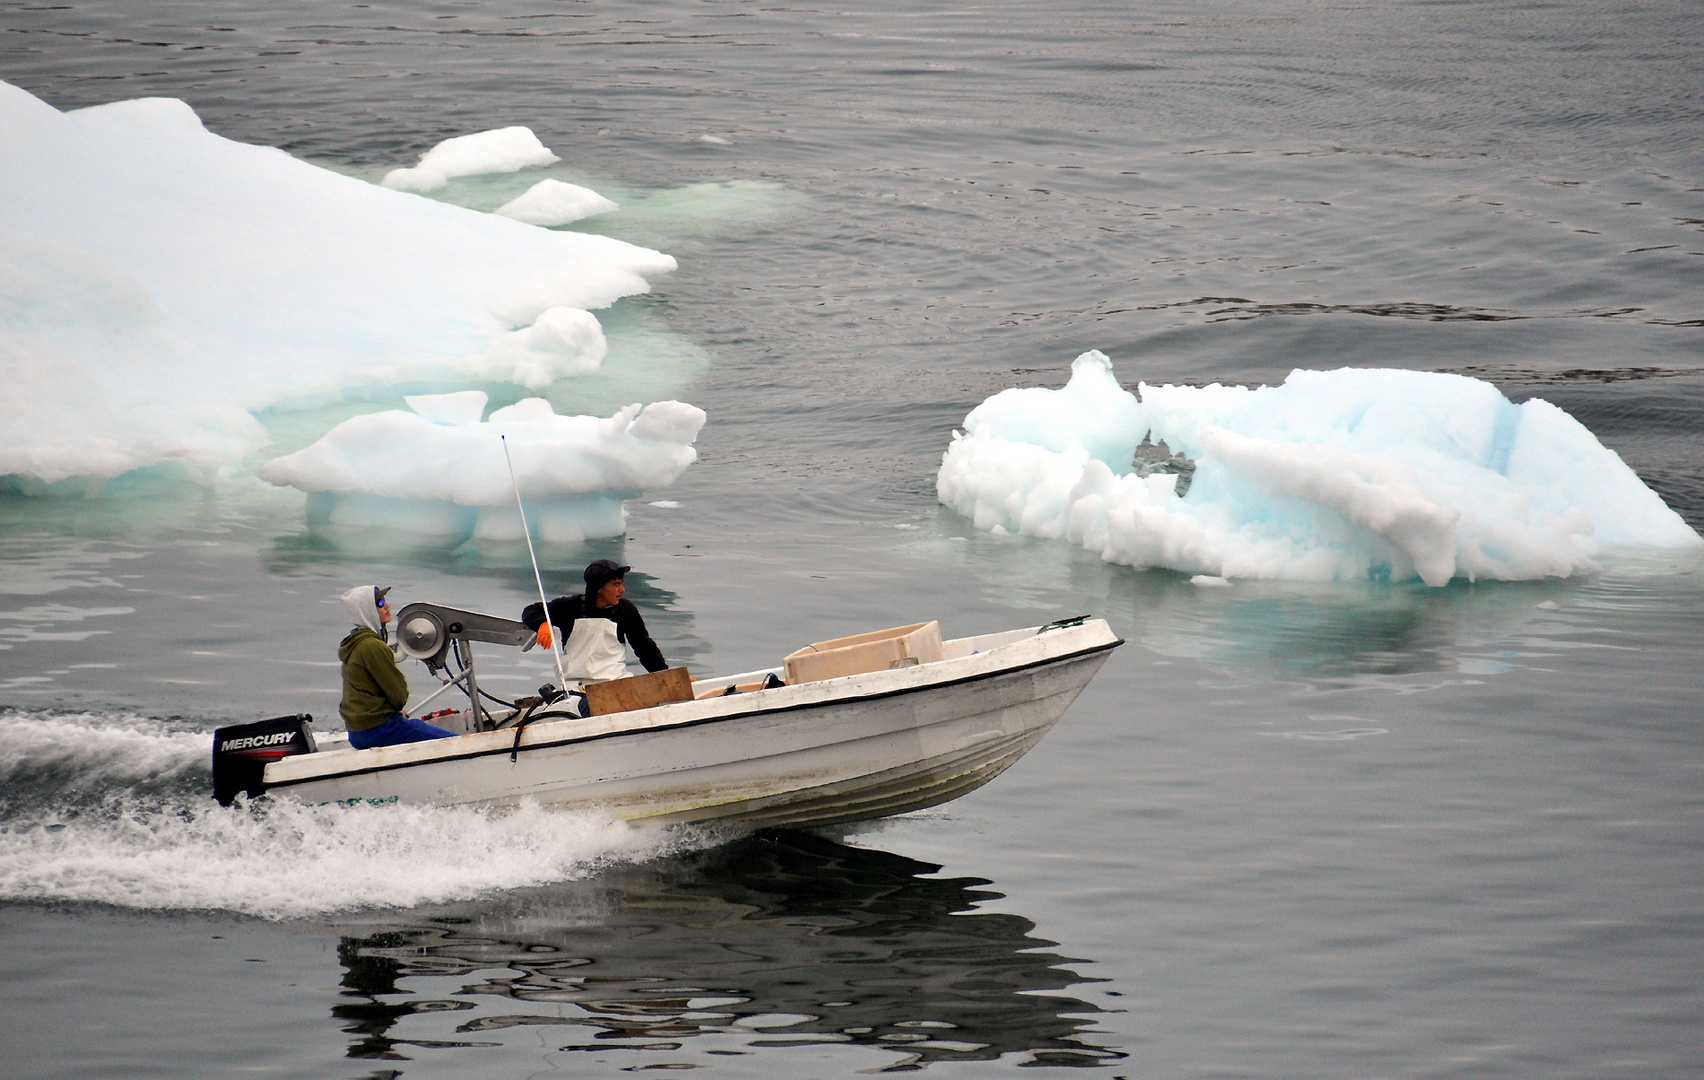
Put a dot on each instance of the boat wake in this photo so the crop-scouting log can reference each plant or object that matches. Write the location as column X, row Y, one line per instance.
column 113, row 809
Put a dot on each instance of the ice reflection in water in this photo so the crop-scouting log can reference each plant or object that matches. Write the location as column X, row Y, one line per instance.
column 1343, row 632
column 776, row 939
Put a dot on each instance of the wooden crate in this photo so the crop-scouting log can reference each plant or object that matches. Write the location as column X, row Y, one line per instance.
column 878, row 650
column 639, row 691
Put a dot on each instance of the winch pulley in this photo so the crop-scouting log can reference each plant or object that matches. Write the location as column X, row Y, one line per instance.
column 434, row 635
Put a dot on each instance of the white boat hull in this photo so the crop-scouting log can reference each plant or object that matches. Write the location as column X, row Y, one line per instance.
column 847, row 749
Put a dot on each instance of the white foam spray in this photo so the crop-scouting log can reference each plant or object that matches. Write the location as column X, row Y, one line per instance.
column 115, row 810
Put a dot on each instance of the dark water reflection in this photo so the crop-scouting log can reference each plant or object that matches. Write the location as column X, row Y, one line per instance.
column 774, row 940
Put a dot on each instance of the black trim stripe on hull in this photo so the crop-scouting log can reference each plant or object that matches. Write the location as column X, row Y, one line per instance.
column 682, row 724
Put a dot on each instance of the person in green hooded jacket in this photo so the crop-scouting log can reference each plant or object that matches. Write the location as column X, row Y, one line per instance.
column 374, row 688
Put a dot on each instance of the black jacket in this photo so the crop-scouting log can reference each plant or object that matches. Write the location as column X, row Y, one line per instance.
column 629, row 625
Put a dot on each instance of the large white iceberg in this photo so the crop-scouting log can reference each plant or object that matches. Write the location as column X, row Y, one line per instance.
column 439, row 471
column 1334, row 475
column 159, row 283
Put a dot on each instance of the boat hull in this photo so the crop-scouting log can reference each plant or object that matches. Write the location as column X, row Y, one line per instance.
column 842, row 750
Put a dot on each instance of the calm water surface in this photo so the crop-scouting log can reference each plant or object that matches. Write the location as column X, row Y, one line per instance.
column 1290, row 830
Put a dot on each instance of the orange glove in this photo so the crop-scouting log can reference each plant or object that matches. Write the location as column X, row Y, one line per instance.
column 544, row 635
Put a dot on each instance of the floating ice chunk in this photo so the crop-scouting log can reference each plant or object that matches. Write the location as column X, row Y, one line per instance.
column 143, row 322
column 1334, row 475
column 667, row 422
column 504, row 150
column 1092, row 411
column 405, row 455
column 404, row 471
column 562, row 342
column 552, row 202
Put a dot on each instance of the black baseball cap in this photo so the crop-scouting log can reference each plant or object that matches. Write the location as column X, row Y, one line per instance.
column 601, row 572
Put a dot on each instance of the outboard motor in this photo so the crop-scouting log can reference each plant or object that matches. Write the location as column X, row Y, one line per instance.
column 242, row 752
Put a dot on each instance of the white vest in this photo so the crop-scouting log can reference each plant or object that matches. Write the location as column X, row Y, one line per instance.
column 593, row 652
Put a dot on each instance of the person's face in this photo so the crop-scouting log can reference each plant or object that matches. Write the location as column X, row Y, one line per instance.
column 611, row 592
column 384, row 611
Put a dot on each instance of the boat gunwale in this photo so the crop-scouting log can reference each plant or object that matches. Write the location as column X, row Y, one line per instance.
column 770, row 710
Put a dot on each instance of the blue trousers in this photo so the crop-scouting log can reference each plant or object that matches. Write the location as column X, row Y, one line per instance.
column 398, row 729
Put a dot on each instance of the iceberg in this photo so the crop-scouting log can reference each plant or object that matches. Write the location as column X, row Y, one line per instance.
column 438, row 471
column 504, row 150
column 1340, row 475
column 159, row 284
column 553, row 202
column 1092, row 411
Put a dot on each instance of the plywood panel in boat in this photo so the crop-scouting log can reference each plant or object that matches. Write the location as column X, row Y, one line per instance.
column 639, row 691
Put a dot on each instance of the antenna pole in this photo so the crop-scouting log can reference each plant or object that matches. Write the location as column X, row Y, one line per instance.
column 555, row 638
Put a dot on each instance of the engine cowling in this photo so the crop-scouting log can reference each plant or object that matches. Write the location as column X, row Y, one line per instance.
column 242, row 752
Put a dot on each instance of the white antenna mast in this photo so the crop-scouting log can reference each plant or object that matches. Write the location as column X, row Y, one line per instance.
column 555, row 638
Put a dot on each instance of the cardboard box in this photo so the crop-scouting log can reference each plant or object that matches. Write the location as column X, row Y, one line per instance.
column 638, row 691
column 879, row 650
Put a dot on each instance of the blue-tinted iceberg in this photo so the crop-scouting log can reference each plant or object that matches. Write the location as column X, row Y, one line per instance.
column 159, row 283
column 1332, row 476
column 438, row 471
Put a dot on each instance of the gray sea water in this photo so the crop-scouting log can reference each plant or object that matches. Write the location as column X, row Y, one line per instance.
column 1290, row 830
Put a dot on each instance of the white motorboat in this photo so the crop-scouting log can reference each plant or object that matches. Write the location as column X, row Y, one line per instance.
column 912, row 734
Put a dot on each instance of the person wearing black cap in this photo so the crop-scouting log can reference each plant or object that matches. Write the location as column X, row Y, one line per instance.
column 374, row 688
column 596, row 625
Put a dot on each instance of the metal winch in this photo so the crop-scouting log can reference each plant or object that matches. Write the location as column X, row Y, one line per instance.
column 440, row 636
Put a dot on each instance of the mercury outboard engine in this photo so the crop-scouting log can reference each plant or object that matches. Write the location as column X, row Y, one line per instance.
column 242, row 752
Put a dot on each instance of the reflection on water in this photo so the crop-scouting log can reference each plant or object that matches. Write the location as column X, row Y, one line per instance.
column 1372, row 630
column 1377, row 630
column 1343, row 631
column 775, row 940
